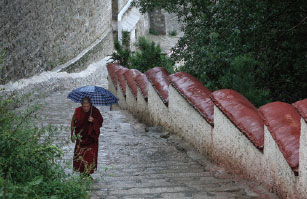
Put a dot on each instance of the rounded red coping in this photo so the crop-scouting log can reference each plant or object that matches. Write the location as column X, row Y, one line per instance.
column 130, row 76
column 158, row 78
column 242, row 113
column 195, row 92
column 301, row 107
column 112, row 68
column 283, row 122
column 120, row 77
column 142, row 82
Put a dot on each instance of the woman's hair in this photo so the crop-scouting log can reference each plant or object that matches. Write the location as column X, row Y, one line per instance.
column 86, row 100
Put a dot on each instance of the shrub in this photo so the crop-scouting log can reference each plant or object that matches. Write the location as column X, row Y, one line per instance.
column 31, row 165
column 153, row 31
column 172, row 33
column 147, row 56
column 240, row 77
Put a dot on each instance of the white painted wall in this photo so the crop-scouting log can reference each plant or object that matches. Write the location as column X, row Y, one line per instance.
column 188, row 123
column 282, row 178
column 226, row 144
column 303, row 160
column 122, row 99
column 234, row 150
column 142, row 108
column 158, row 111
column 131, row 101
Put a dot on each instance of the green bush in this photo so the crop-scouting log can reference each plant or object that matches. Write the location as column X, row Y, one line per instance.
column 147, row 56
column 240, row 77
column 172, row 33
column 30, row 162
column 153, row 31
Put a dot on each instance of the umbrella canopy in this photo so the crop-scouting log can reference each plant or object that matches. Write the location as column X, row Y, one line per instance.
column 98, row 95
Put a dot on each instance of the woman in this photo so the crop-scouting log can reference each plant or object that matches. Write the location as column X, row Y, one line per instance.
column 85, row 125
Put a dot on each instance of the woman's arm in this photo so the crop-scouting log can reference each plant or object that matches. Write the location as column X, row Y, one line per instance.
column 73, row 125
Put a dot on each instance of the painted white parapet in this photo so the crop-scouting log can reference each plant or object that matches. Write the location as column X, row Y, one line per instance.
column 234, row 150
column 131, row 100
column 142, row 108
column 158, row 111
column 281, row 177
column 121, row 96
column 111, row 86
column 225, row 144
column 303, row 159
column 188, row 123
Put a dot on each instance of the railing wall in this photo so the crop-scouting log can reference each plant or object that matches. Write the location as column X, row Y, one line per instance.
column 267, row 146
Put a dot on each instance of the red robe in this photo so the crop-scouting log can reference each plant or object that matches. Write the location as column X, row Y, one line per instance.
column 86, row 148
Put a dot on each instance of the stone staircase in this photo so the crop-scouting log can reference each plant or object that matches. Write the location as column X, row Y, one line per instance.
column 136, row 161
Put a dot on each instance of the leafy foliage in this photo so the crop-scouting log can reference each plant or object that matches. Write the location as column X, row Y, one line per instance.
column 147, row 56
column 220, row 36
column 30, row 162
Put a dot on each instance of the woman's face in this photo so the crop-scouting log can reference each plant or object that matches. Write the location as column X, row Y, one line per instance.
column 86, row 107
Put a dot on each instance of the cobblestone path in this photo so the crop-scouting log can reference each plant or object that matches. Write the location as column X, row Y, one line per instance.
column 136, row 161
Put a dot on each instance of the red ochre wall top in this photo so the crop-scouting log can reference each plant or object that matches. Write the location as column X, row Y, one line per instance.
column 112, row 68
column 142, row 82
column 120, row 77
column 195, row 92
column 158, row 78
column 283, row 122
column 301, row 107
column 242, row 113
column 130, row 76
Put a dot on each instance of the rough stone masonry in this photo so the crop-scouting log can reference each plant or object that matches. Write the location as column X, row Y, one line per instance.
column 38, row 35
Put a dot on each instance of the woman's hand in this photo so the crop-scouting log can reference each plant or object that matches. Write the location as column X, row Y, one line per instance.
column 72, row 139
column 90, row 119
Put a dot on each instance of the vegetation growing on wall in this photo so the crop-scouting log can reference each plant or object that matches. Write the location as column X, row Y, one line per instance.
column 258, row 48
column 147, row 56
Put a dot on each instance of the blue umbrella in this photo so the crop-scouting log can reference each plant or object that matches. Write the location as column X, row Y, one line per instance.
column 98, row 95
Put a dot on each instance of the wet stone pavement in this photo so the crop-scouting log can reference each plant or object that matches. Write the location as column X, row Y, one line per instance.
column 142, row 162
column 136, row 161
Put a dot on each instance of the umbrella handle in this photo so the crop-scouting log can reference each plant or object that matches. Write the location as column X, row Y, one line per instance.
column 91, row 110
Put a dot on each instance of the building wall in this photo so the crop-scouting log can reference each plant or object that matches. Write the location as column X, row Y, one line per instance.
column 163, row 22
column 39, row 35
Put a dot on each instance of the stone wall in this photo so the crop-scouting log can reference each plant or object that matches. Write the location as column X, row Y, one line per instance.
column 39, row 35
column 235, row 133
column 162, row 22
column 157, row 22
column 47, row 82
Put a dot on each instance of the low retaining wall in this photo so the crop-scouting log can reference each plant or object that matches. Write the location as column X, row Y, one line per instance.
column 48, row 82
column 227, row 128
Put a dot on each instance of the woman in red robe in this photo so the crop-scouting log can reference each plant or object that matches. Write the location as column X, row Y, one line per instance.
column 85, row 125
